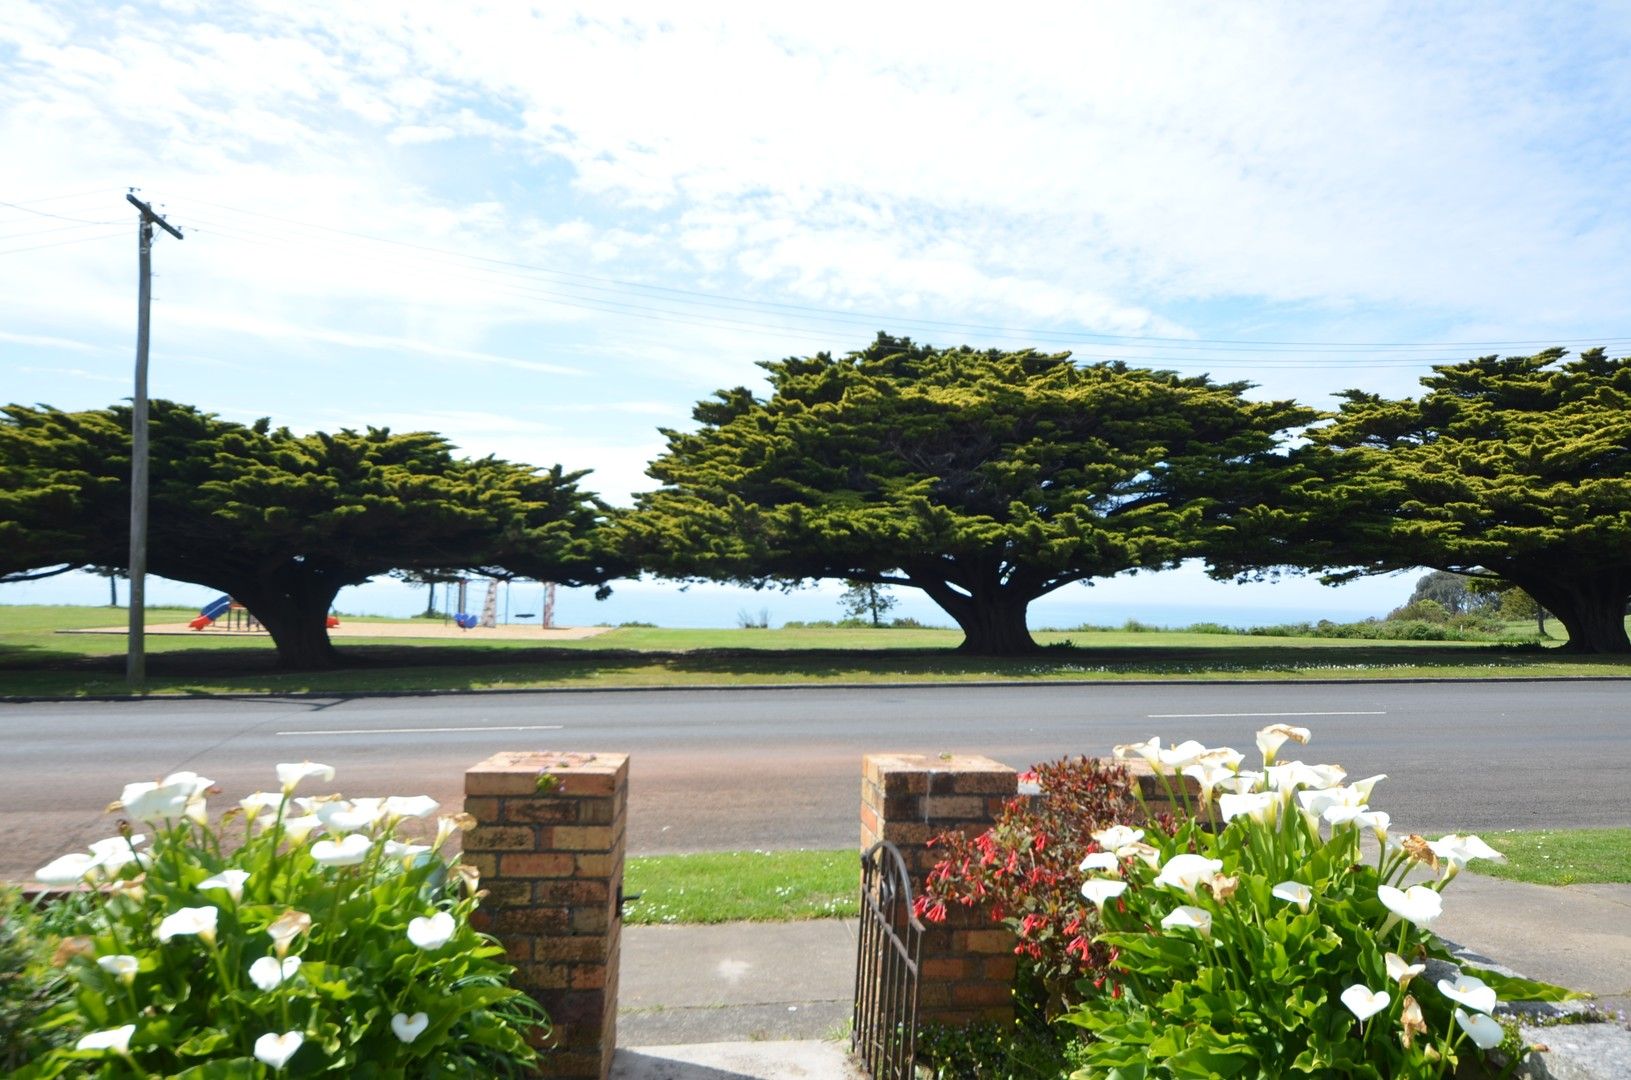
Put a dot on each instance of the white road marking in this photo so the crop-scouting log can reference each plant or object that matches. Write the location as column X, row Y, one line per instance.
column 1232, row 715
column 418, row 730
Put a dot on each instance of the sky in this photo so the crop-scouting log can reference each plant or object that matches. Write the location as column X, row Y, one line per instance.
column 545, row 231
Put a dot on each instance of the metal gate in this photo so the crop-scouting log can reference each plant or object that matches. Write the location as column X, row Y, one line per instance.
column 886, row 967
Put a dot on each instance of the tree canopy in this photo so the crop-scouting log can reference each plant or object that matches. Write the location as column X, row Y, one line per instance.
column 1515, row 468
column 279, row 521
column 984, row 478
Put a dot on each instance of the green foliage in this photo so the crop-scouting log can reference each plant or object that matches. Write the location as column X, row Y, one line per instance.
column 31, row 986
column 282, row 522
column 866, row 600
column 1223, row 969
column 986, row 479
column 365, row 958
column 1517, row 469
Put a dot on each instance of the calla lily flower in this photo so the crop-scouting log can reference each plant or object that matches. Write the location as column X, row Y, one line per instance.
column 1417, row 905
column 290, row 774
column 415, row 806
column 1178, row 757
column 1193, row 918
column 419, row 853
column 408, row 1028
column 1259, row 806
column 121, row 967
column 1401, row 972
column 288, row 926
column 1293, row 892
column 1486, row 1032
column 1458, row 851
column 1471, row 991
column 115, row 1039
column 1377, row 821
column 1098, row 890
column 68, row 869
column 1149, row 750
column 257, row 801
column 230, row 880
column 1271, row 738
column 1101, row 861
column 297, row 829
column 1141, row 851
column 190, row 921
column 1294, row 774
column 349, row 850
column 1243, row 782
column 432, row 933
column 270, row 972
column 1411, row 1023
column 117, row 851
column 1117, row 836
column 177, row 795
column 1187, row 871
column 344, row 816
column 1363, row 1002
column 1227, row 756
column 1209, row 775
column 276, row 1050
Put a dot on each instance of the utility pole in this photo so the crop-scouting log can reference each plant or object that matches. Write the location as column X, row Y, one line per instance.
column 136, row 648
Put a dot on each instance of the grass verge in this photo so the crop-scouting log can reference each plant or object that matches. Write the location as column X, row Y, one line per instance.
column 1559, row 856
column 738, row 886
column 35, row 660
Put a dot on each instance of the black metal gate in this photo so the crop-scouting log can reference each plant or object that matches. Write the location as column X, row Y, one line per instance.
column 886, row 967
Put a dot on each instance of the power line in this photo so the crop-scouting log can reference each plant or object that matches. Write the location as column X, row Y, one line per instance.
column 59, row 243
column 59, row 217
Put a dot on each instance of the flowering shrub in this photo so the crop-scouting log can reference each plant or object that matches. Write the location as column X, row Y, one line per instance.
column 328, row 942
column 1270, row 944
column 1026, row 869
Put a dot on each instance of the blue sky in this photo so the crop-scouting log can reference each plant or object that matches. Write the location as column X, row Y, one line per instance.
column 547, row 233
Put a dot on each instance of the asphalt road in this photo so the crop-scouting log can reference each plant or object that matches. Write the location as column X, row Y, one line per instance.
column 780, row 768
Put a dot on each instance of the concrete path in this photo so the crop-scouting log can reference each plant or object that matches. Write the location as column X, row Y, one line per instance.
column 801, row 1060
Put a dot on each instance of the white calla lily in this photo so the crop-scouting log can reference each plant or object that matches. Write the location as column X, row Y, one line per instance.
column 257, row 801
column 1098, row 890
column 270, row 972
column 190, row 922
column 414, row 806
column 276, row 1050
column 1401, row 972
column 1191, row 918
column 1271, row 738
column 286, row 927
column 1417, row 905
column 297, row 829
column 1364, row 1002
column 1178, row 757
column 1293, row 892
column 1471, row 991
column 290, row 774
column 1208, row 775
column 408, row 1028
column 349, row 850
column 1187, row 871
column 70, row 869
column 1141, row 851
column 1149, row 750
column 122, row 967
column 432, row 933
column 118, row 851
column 1486, row 1032
column 349, row 816
column 1117, row 836
column 1259, row 806
column 418, row 853
column 1102, row 862
column 230, row 880
column 115, row 1039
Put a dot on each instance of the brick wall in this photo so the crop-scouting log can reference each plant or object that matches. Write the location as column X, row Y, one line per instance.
column 549, row 845
column 967, row 961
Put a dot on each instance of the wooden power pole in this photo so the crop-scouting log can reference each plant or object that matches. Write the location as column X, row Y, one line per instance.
column 136, row 649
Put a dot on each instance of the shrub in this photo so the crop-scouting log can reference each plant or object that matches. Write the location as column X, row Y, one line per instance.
column 1025, row 869
column 350, row 954
column 1268, row 944
column 31, row 986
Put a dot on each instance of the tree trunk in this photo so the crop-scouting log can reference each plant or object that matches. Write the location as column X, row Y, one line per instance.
column 993, row 623
column 1593, row 614
column 295, row 613
column 113, row 591
column 430, row 601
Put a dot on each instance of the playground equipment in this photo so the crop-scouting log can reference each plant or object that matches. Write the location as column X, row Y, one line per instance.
column 211, row 611
column 238, row 616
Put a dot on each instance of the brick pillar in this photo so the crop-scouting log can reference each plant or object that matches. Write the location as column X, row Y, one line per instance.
column 968, row 960
column 1147, row 784
column 549, row 845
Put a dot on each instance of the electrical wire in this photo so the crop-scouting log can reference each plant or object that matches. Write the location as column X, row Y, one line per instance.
column 60, row 243
column 59, row 217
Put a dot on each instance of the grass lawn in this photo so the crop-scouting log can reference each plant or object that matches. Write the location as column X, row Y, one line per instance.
column 37, row 661
column 1559, row 856
column 734, row 886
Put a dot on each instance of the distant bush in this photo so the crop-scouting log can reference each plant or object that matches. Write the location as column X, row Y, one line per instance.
column 636, row 624
column 1209, row 628
column 1133, row 626
column 906, row 622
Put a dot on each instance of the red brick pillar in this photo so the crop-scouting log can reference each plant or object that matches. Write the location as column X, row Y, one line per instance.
column 968, row 961
column 549, row 845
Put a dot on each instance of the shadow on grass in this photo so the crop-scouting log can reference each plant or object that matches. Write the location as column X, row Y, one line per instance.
column 30, row 670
